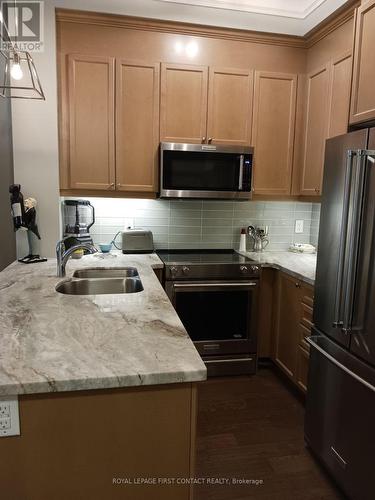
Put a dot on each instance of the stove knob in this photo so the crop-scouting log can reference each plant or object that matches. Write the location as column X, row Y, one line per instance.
column 173, row 270
column 186, row 269
column 255, row 269
column 243, row 269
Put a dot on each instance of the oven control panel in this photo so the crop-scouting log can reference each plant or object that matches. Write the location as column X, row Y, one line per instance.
column 212, row 271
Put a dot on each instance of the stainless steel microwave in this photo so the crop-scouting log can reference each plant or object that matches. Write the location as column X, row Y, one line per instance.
column 205, row 171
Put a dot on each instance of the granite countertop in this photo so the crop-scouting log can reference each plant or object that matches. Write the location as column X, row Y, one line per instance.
column 51, row 342
column 299, row 265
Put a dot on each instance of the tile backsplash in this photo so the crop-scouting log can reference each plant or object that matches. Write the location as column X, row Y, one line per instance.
column 205, row 224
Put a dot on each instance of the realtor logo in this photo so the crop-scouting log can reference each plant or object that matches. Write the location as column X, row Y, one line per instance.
column 22, row 26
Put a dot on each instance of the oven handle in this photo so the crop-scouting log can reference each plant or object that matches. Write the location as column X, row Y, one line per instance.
column 248, row 285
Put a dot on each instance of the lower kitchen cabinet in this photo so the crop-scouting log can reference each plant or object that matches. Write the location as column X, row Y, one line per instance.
column 293, row 301
column 100, row 444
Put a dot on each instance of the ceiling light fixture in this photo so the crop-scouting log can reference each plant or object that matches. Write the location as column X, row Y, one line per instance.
column 20, row 78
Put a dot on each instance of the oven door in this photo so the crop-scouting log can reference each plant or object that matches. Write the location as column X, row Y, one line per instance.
column 205, row 171
column 219, row 316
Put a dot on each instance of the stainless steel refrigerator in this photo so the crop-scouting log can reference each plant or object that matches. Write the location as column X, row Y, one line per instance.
column 340, row 405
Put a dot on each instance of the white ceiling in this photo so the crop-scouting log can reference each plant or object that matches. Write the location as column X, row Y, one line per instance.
column 298, row 9
column 293, row 17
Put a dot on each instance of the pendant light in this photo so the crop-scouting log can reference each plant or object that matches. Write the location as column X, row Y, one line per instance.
column 20, row 79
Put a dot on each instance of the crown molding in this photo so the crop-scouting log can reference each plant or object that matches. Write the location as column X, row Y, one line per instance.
column 332, row 23
column 145, row 24
column 329, row 25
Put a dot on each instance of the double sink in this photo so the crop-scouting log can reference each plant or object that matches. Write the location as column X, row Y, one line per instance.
column 99, row 281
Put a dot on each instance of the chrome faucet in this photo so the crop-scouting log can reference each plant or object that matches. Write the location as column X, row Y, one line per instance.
column 62, row 255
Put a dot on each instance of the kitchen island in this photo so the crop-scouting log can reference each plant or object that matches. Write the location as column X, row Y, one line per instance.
column 106, row 385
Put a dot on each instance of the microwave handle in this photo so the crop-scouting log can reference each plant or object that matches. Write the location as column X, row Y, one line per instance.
column 240, row 177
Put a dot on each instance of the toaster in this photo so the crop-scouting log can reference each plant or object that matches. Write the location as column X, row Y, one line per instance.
column 137, row 241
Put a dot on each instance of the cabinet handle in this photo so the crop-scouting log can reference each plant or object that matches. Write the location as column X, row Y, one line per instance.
column 317, row 190
column 203, row 140
column 111, row 186
column 210, row 140
column 298, row 285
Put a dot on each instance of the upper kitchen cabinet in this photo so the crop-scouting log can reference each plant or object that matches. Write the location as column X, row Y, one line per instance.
column 183, row 103
column 363, row 95
column 316, row 131
column 91, row 122
column 137, row 126
column 198, row 109
column 273, row 132
column 230, row 94
column 340, row 83
column 327, row 115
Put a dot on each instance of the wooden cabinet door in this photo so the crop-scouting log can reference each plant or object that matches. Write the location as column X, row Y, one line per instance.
column 91, row 122
column 287, row 319
column 316, row 131
column 273, row 132
column 363, row 95
column 183, row 103
column 137, row 126
column 302, row 368
column 341, row 71
column 230, row 96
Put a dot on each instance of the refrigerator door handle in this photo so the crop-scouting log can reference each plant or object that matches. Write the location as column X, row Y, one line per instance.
column 354, row 236
column 314, row 345
column 365, row 156
column 338, row 322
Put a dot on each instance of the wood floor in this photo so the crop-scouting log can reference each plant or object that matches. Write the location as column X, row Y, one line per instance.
column 252, row 428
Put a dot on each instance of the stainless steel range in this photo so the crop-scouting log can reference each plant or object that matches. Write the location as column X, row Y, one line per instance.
column 215, row 295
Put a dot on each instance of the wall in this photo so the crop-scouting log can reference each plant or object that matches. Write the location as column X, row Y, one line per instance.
column 314, row 228
column 202, row 224
column 35, row 145
column 8, row 245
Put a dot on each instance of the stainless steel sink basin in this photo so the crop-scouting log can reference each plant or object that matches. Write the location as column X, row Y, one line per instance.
column 120, row 272
column 100, row 286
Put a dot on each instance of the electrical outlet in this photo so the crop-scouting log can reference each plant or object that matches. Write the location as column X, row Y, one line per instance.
column 299, row 226
column 9, row 416
column 4, row 409
column 129, row 223
column 4, row 423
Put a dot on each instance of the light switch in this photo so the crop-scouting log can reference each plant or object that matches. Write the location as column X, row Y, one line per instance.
column 299, row 226
column 9, row 416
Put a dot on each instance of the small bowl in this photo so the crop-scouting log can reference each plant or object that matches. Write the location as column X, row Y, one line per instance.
column 106, row 248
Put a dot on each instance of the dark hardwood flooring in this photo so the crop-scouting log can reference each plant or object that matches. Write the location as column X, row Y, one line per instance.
column 252, row 428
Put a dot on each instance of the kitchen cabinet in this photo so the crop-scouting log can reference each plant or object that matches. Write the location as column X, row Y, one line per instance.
column 339, row 100
column 205, row 105
column 292, row 322
column 183, row 103
column 73, row 444
column 229, row 106
column 363, row 96
column 110, row 149
column 327, row 115
column 273, row 132
column 316, row 131
column 137, row 126
column 91, row 127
